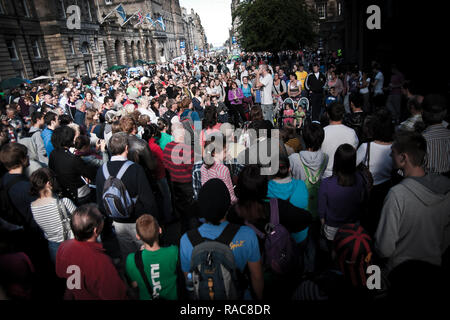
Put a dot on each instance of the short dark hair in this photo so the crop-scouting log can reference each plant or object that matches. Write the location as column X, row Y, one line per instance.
column 434, row 109
column 84, row 220
column 13, row 155
column 313, row 135
column 251, row 190
column 336, row 111
column 63, row 137
column 35, row 116
column 384, row 129
column 344, row 166
column 283, row 167
column 65, row 119
column 147, row 227
column 357, row 99
column 107, row 99
column 413, row 144
column 39, row 179
column 81, row 141
column 49, row 117
column 118, row 143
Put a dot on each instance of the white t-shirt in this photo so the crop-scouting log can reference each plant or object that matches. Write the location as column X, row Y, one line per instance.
column 266, row 91
column 366, row 89
column 380, row 164
column 335, row 135
column 378, row 88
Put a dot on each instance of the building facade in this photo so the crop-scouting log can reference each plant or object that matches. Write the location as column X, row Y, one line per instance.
column 37, row 37
column 22, row 48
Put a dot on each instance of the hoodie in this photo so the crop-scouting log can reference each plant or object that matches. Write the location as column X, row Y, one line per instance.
column 415, row 221
column 289, row 189
column 296, row 193
column 312, row 160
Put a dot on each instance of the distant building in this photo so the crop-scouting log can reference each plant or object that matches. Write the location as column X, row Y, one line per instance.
column 22, row 48
column 35, row 38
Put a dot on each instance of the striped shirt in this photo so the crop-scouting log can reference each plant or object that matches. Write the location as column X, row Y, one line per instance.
column 48, row 218
column 219, row 171
column 438, row 149
column 178, row 163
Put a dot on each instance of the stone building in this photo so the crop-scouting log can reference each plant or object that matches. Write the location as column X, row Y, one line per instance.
column 37, row 37
column 22, row 49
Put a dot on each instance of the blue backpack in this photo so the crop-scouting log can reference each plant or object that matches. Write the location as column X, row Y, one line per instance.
column 213, row 267
column 116, row 199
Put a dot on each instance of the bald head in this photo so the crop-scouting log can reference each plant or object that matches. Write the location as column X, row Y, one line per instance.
column 86, row 222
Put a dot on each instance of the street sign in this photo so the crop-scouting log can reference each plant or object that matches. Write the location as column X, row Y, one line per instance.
column 182, row 45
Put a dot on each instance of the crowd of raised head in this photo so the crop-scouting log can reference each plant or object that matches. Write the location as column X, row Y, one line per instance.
column 125, row 176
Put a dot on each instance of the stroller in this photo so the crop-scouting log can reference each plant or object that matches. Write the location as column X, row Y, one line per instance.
column 288, row 113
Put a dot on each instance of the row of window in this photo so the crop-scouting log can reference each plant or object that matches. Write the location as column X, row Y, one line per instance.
column 322, row 10
column 22, row 6
column 12, row 49
column 84, row 47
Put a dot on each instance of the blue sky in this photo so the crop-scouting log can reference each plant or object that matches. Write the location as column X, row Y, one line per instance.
column 215, row 16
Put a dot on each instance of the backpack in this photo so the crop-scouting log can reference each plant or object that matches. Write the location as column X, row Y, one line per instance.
column 279, row 247
column 8, row 210
column 140, row 266
column 313, row 185
column 188, row 125
column 213, row 267
column 116, row 199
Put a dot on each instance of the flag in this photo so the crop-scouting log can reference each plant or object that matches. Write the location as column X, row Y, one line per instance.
column 161, row 22
column 149, row 19
column 121, row 11
column 130, row 18
column 140, row 18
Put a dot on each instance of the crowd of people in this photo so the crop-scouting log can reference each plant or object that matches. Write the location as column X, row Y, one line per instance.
column 127, row 177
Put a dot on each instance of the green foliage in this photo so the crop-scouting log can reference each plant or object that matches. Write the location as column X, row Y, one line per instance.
column 274, row 25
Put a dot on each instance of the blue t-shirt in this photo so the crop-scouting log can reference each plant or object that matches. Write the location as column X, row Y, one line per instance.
column 46, row 136
column 247, row 91
column 244, row 245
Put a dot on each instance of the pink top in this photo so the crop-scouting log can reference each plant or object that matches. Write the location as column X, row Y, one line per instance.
column 219, row 171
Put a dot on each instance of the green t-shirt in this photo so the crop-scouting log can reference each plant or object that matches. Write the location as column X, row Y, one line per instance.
column 161, row 269
column 164, row 140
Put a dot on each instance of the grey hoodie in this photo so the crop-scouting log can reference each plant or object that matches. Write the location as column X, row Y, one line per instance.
column 415, row 221
column 35, row 146
column 312, row 160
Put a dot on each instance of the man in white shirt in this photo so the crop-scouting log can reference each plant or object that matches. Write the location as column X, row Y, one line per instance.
column 264, row 82
column 336, row 134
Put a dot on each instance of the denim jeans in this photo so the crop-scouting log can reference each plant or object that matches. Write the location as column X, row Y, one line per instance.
column 53, row 249
column 267, row 110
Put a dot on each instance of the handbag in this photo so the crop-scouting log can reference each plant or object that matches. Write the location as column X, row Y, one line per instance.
column 365, row 172
column 65, row 220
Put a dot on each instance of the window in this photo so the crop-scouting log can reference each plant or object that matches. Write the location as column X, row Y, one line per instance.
column 11, row 44
column 89, row 10
column 25, row 8
column 2, row 9
column 72, row 48
column 321, row 10
column 63, row 8
column 77, row 71
column 339, row 9
column 36, row 51
column 96, row 44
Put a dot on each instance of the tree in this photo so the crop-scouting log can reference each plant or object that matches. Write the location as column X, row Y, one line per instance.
column 274, row 25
